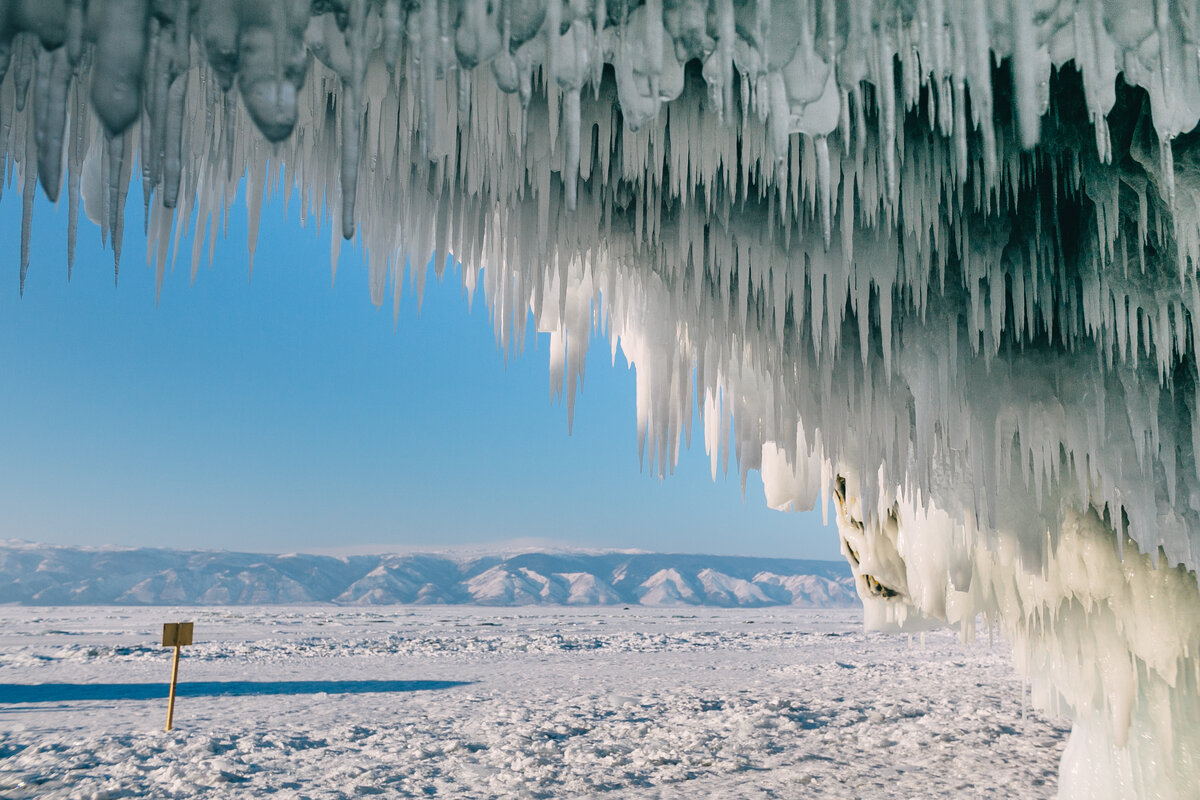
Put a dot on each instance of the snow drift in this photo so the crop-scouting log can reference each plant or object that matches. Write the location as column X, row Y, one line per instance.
column 937, row 259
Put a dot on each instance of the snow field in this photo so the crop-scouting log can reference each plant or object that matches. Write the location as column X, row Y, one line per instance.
column 541, row 703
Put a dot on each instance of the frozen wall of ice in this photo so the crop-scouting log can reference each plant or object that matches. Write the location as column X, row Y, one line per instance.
column 938, row 259
column 1104, row 634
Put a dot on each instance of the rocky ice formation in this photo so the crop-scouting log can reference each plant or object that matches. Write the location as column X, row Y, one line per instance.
column 935, row 259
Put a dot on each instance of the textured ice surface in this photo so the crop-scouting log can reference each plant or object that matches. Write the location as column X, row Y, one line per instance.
column 535, row 703
column 936, row 258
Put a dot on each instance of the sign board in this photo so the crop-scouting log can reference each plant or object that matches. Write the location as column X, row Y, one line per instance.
column 177, row 634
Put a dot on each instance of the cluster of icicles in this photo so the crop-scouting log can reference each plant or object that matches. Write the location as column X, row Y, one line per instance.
column 935, row 259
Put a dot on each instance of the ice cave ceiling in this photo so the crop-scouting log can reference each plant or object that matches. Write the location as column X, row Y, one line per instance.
column 935, row 258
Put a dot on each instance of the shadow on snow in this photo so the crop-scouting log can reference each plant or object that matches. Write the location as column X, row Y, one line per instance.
column 61, row 692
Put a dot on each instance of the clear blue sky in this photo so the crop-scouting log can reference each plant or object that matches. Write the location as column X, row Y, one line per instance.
column 284, row 414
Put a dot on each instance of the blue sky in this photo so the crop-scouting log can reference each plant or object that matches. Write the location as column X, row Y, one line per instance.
column 285, row 413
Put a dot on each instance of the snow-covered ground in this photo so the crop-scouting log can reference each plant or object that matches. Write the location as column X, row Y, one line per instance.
column 475, row 703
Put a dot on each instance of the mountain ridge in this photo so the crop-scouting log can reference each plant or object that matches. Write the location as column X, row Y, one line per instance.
column 43, row 574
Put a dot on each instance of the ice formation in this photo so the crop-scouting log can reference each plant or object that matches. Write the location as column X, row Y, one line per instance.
column 937, row 259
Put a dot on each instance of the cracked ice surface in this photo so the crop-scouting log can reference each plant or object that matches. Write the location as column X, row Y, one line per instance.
column 938, row 259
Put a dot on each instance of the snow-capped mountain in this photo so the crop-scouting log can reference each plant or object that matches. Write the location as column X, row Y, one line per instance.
column 38, row 574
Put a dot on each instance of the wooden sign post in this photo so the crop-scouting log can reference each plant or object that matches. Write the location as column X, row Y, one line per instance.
column 175, row 634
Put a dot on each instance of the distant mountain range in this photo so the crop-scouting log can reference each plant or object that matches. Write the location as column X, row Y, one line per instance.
column 39, row 574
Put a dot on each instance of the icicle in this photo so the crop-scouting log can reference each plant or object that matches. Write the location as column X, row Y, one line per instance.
column 1168, row 170
column 824, row 187
column 1025, row 77
column 28, row 183
column 725, row 42
column 571, row 158
column 888, row 131
column 118, row 64
column 50, row 104
column 74, row 32
column 76, row 150
column 23, row 70
column 352, row 109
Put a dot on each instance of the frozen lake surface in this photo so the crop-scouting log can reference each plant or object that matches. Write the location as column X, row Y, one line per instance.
column 479, row 703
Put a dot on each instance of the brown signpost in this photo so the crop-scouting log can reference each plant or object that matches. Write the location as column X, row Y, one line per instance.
column 177, row 635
